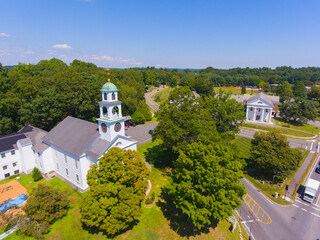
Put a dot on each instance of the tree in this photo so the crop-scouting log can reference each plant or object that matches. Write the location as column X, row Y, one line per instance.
column 182, row 119
column 44, row 206
column 138, row 118
column 299, row 111
column 284, row 90
column 226, row 113
column 117, row 188
column 271, row 156
column 314, row 93
column 299, row 90
column 173, row 81
column 36, row 175
column 243, row 89
column 205, row 182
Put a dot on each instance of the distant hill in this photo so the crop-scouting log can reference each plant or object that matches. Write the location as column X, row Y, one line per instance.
column 10, row 67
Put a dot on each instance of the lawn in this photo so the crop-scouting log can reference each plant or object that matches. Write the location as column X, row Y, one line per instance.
column 233, row 90
column 152, row 225
column 305, row 127
column 267, row 188
column 284, row 130
column 162, row 95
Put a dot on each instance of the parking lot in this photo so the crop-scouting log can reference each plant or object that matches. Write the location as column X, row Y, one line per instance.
column 140, row 133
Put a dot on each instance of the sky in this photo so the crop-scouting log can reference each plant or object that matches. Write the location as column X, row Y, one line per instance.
column 164, row 33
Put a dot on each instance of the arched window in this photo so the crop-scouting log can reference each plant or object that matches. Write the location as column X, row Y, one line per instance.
column 105, row 111
column 105, row 96
column 115, row 110
column 113, row 96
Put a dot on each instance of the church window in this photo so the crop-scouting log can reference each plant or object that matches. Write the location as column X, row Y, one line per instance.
column 40, row 164
column 57, row 166
column 39, row 155
column 104, row 111
column 3, row 155
column 117, row 127
column 113, row 96
column 76, row 163
column 65, row 159
column 105, row 96
column 5, row 167
column 260, row 102
column 14, row 164
column 7, row 175
column 267, row 110
column 13, row 152
column 77, row 177
column 251, row 109
column 67, row 171
column 16, row 171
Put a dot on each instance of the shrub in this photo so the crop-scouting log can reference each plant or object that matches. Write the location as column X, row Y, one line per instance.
column 150, row 200
column 36, row 175
column 138, row 118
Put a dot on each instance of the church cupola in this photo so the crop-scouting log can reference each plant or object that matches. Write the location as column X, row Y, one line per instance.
column 111, row 122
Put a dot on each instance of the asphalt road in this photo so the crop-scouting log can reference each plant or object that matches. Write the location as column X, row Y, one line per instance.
column 140, row 133
column 149, row 100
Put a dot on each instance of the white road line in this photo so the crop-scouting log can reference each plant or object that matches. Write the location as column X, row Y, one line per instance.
column 318, row 147
column 315, row 214
column 312, row 169
column 304, row 209
column 316, row 208
column 311, row 146
column 318, row 201
column 295, row 206
column 248, row 231
column 304, row 203
column 259, row 192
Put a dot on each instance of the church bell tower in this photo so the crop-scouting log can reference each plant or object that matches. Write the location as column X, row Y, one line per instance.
column 111, row 122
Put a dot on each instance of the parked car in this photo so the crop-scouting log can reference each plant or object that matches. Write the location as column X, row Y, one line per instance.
column 151, row 131
column 318, row 170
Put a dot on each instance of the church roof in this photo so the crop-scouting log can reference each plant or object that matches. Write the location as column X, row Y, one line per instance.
column 109, row 87
column 261, row 96
column 97, row 149
column 73, row 135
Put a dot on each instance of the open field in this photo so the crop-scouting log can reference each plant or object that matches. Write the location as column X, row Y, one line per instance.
column 233, row 90
column 161, row 96
column 305, row 127
column 284, row 130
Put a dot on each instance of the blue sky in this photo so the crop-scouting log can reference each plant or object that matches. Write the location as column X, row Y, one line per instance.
column 182, row 34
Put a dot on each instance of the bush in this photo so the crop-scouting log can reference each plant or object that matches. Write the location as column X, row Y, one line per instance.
column 150, row 200
column 138, row 118
column 36, row 175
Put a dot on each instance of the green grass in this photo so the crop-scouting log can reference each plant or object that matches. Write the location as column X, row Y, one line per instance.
column 267, row 188
column 233, row 90
column 286, row 131
column 162, row 95
column 152, row 120
column 305, row 127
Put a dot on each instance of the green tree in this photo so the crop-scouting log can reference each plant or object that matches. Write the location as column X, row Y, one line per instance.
column 226, row 113
column 182, row 119
column 314, row 93
column 299, row 111
column 271, row 156
column 299, row 90
column 243, row 89
column 36, row 175
column 205, row 182
column 284, row 90
column 44, row 206
column 138, row 118
column 117, row 188
column 173, row 81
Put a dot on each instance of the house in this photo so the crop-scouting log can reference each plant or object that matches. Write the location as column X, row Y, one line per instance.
column 71, row 147
column 260, row 107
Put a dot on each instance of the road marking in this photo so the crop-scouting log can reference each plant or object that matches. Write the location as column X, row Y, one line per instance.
column 265, row 217
column 304, row 203
column 304, row 209
column 311, row 146
column 249, row 231
column 315, row 214
column 295, row 206
column 312, row 169
column 271, row 202
column 316, row 208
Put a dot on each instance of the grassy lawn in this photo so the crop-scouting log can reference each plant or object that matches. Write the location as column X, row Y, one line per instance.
column 267, row 188
column 162, row 95
column 306, row 127
column 152, row 120
column 152, row 225
column 286, row 131
column 233, row 90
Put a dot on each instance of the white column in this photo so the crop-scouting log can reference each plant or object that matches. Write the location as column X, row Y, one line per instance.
column 270, row 115
column 254, row 114
column 262, row 115
column 101, row 112
column 119, row 111
column 247, row 113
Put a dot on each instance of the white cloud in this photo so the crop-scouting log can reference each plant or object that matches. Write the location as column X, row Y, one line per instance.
column 109, row 59
column 62, row 46
column 4, row 35
column 28, row 52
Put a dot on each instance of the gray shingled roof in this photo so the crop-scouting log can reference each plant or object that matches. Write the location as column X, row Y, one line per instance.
column 261, row 96
column 73, row 135
column 36, row 137
column 98, row 148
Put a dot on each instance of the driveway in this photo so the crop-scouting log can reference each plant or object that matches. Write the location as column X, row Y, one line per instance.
column 140, row 133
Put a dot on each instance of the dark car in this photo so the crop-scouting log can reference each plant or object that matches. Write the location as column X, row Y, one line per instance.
column 318, row 170
column 151, row 131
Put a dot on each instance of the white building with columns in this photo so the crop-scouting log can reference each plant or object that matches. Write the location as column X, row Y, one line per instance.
column 260, row 107
column 71, row 147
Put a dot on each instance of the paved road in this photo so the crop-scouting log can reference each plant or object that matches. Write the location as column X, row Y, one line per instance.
column 149, row 100
column 300, row 220
column 140, row 133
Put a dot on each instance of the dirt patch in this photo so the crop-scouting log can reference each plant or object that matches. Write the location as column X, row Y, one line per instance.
column 11, row 190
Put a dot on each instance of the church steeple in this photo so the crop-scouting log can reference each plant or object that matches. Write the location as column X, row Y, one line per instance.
column 111, row 122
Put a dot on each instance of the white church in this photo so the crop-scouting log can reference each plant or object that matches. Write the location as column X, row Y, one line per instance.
column 71, row 147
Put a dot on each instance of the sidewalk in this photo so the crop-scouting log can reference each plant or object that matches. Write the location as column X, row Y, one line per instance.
column 294, row 183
